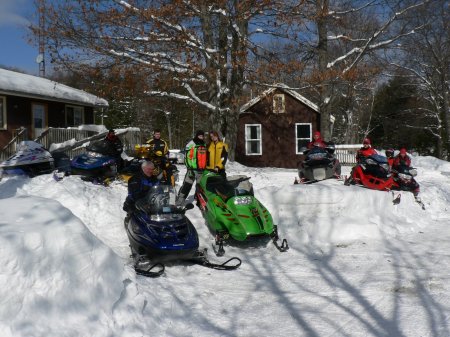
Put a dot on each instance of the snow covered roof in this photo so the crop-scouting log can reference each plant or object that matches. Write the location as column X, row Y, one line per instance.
column 285, row 89
column 24, row 85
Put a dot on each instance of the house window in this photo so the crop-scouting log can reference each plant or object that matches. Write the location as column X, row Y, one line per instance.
column 279, row 104
column 74, row 115
column 302, row 135
column 2, row 112
column 253, row 144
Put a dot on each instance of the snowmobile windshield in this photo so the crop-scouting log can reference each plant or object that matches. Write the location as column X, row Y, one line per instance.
column 317, row 153
column 228, row 189
column 406, row 170
column 159, row 201
column 378, row 159
column 102, row 147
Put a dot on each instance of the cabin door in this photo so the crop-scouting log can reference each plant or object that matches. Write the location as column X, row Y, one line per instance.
column 39, row 119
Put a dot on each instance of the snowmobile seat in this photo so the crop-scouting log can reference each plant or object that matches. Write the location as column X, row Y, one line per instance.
column 218, row 185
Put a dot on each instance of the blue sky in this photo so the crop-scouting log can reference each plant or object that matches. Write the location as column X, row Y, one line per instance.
column 15, row 51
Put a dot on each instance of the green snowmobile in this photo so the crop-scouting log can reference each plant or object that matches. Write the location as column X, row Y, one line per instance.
column 232, row 211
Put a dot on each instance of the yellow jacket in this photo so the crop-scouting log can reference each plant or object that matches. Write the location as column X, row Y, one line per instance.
column 217, row 155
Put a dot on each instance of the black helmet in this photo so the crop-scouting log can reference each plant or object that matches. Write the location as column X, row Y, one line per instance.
column 199, row 133
column 389, row 153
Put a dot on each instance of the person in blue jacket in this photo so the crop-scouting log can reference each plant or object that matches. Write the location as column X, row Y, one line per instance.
column 139, row 184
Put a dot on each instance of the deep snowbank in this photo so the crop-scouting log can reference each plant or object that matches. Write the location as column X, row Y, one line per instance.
column 47, row 251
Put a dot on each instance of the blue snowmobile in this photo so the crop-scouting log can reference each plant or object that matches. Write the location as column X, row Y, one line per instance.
column 159, row 231
column 100, row 161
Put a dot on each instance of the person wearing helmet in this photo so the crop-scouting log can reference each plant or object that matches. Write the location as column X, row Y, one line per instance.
column 158, row 144
column 195, row 161
column 365, row 151
column 317, row 141
column 390, row 156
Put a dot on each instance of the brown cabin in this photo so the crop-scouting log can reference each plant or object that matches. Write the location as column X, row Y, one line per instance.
column 274, row 126
column 35, row 104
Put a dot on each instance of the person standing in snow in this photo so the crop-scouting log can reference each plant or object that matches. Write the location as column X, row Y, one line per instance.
column 195, row 160
column 158, row 144
column 217, row 154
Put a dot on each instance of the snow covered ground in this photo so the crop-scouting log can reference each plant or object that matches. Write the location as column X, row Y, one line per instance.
column 357, row 265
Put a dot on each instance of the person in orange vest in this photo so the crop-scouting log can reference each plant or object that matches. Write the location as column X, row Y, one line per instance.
column 217, row 154
column 195, row 160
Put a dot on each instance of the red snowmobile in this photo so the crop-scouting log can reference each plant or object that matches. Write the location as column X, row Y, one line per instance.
column 372, row 172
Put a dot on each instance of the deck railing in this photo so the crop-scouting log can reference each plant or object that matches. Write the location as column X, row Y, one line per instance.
column 10, row 149
column 346, row 153
column 72, row 142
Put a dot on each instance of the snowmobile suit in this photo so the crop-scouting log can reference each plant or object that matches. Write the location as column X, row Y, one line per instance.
column 317, row 141
column 400, row 160
column 217, row 156
column 195, row 160
column 138, row 186
column 158, row 145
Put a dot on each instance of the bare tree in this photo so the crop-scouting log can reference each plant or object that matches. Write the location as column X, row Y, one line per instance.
column 426, row 58
column 189, row 50
column 348, row 36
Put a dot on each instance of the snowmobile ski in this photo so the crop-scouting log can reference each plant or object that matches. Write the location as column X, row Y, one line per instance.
column 397, row 198
column 144, row 267
column 274, row 236
column 420, row 202
column 202, row 260
column 154, row 270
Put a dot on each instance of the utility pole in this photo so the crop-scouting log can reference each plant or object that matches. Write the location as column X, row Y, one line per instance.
column 40, row 59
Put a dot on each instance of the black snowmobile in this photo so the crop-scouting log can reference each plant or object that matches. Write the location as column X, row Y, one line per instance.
column 319, row 164
column 159, row 231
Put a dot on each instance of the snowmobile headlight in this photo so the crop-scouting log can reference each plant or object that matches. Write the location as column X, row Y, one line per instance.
column 370, row 161
column 109, row 162
column 165, row 217
column 94, row 154
column 404, row 176
column 385, row 166
column 243, row 200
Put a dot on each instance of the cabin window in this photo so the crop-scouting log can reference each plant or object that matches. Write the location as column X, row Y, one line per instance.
column 279, row 106
column 2, row 113
column 253, row 144
column 303, row 133
column 74, row 115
